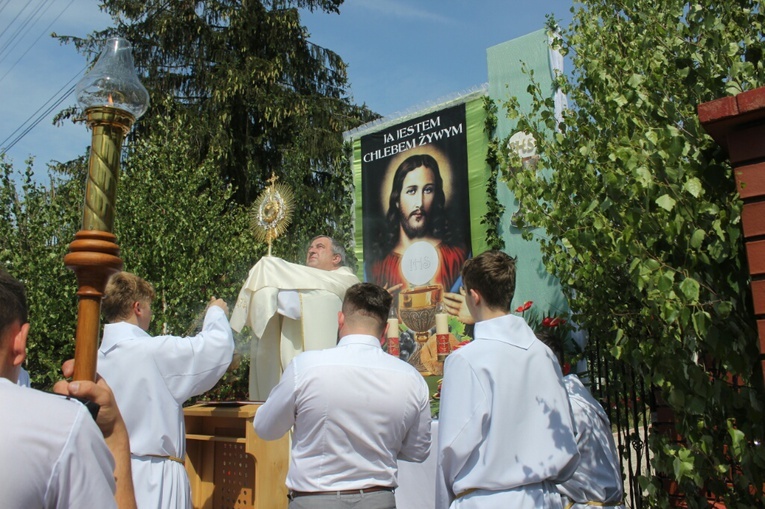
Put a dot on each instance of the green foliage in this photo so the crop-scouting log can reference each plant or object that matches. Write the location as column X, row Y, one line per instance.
column 495, row 208
column 178, row 229
column 643, row 222
column 255, row 95
column 36, row 225
column 238, row 94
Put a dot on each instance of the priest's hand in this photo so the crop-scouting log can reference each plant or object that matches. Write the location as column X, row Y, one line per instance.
column 456, row 306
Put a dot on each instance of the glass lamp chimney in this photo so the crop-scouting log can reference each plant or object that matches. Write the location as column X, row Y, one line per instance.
column 113, row 82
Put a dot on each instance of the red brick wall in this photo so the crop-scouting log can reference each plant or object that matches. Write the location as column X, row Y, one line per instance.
column 737, row 123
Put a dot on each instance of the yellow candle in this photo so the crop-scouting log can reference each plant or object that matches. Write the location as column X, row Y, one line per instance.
column 442, row 327
column 392, row 327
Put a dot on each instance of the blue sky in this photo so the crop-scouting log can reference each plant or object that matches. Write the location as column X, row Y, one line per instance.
column 401, row 54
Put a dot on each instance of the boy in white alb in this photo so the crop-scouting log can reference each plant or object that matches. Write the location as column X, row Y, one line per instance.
column 52, row 453
column 597, row 481
column 506, row 435
column 151, row 378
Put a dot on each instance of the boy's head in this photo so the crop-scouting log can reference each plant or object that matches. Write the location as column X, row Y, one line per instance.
column 492, row 274
column 13, row 302
column 14, row 326
column 553, row 343
column 365, row 308
column 128, row 296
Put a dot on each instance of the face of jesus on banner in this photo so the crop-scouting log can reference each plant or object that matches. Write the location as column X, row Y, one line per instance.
column 416, row 201
column 415, row 198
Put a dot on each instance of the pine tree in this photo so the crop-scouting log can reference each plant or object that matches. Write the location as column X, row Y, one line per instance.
column 258, row 95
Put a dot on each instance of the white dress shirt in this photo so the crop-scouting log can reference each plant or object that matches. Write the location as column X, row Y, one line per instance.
column 598, row 478
column 505, row 425
column 151, row 378
column 52, row 454
column 355, row 410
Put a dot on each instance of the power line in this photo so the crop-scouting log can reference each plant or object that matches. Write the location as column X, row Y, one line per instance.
column 5, row 30
column 59, row 96
column 2, row 6
column 35, row 41
column 17, row 36
column 31, row 122
column 36, row 122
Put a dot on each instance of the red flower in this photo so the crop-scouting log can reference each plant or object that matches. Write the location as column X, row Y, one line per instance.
column 460, row 345
column 552, row 322
column 526, row 305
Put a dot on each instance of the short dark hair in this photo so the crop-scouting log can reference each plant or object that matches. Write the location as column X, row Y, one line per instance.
column 370, row 300
column 13, row 302
column 492, row 274
column 553, row 343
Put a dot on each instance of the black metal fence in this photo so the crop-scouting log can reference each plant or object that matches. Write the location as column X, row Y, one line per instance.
column 626, row 399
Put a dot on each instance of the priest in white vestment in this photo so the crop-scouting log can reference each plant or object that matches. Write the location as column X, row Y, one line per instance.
column 291, row 308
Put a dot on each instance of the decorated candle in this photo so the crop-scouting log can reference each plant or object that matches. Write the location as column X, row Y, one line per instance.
column 392, row 327
column 442, row 327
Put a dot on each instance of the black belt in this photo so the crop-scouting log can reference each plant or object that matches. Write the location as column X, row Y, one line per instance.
column 371, row 489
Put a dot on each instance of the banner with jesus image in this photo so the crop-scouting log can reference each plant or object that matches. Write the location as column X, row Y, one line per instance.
column 415, row 201
column 414, row 190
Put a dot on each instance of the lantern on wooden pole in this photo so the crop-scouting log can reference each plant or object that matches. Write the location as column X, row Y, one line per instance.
column 113, row 98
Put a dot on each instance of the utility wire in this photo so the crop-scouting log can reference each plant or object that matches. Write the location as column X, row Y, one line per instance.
column 5, row 30
column 35, row 41
column 22, row 31
column 37, row 121
column 2, row 6
column 31, row 122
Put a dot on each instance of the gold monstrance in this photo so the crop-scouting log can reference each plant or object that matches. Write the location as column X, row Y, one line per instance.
column 272, row 212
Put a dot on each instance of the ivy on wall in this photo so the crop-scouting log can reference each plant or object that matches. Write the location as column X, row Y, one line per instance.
column 495, row 209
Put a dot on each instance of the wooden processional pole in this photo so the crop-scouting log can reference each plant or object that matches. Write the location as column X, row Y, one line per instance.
column 94, row 255
column 113, row 98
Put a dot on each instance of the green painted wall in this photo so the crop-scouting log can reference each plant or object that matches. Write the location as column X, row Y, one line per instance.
column 507, row 79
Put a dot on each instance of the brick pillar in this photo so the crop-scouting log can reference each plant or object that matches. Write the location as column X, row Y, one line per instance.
column 737, row 123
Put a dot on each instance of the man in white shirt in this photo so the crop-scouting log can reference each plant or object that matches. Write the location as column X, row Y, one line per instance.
column 290, row 309
column 505, row 429
column 597, row 481
column 152, row 377
column 355, row 411
column 52, row 453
